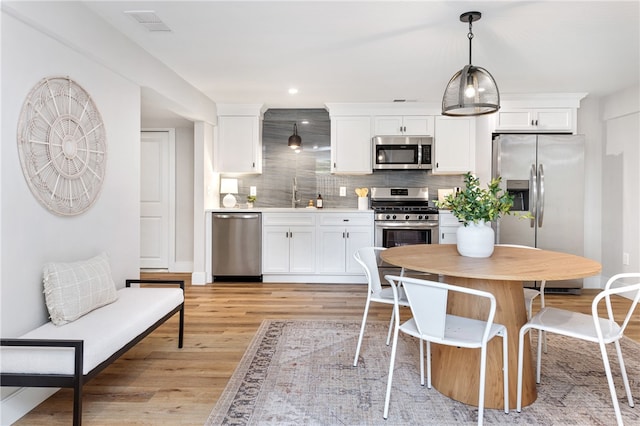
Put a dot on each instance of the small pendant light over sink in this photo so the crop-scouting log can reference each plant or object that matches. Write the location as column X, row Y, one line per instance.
column 472, row 90
column 295, row 141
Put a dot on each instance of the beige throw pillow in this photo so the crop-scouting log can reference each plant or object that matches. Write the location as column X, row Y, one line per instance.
column 74, row 289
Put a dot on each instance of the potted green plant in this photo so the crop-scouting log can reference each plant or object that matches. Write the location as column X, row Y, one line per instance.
column 476, row 208
column 250, row 200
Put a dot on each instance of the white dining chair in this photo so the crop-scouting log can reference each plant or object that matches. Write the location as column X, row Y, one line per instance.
column 591, row 328
column 431, row 323
column 367, row 257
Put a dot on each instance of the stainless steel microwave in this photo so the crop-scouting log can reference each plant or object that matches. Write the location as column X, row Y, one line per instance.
column 402, row 152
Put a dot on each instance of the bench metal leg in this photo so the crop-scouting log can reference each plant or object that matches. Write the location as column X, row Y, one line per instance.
column 181, row 329
column 77, row 405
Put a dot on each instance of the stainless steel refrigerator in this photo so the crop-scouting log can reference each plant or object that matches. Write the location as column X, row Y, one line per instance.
column 545, row 174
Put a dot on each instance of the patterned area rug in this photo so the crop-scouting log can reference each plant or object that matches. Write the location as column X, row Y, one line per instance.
column 301, row 373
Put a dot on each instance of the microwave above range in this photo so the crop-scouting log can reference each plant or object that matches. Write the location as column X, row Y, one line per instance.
column 402, row 152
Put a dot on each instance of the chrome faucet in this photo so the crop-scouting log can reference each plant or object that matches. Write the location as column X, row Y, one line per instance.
column 294, row 193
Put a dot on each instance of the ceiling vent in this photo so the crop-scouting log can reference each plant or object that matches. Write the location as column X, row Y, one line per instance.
column 149, row 20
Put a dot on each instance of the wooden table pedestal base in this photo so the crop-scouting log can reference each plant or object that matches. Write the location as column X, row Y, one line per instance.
column 456, row 371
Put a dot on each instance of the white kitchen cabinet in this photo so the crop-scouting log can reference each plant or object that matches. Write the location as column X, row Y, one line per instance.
column 448, row 226
column 409, row 125
column 288, row 243
column 535, row 120
column 239, row 143
column 351, row 145
column 339, row 237
column 454, row 145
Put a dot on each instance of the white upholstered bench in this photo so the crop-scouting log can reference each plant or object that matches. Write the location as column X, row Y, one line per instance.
column 71, row 354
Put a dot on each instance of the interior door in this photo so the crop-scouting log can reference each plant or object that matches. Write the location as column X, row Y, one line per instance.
column 154, row 199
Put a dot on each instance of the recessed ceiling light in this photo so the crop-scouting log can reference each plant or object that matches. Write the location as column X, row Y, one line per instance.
column 293, row 91
column 304, row 122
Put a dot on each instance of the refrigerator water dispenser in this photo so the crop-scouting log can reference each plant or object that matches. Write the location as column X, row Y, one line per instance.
column 519, row 189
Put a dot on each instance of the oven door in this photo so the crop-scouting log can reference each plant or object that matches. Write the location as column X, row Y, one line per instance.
column 393, row 234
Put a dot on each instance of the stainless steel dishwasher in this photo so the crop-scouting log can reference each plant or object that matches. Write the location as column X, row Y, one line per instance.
column 237, row 246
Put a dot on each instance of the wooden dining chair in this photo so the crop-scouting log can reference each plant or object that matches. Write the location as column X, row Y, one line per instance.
column 367, row 257
column 431, row 323
column 591, row 328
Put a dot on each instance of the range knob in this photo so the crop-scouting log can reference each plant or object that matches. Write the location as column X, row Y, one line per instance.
column 393, row 217
column 388, row 217
column 407, row 217
column 420, row 217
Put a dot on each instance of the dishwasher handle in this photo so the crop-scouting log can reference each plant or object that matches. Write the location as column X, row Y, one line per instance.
column 236, row 215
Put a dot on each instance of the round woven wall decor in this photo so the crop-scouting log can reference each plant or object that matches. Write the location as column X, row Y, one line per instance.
column 62, row 146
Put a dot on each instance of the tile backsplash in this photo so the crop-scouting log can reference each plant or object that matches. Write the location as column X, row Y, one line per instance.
column 311, row 166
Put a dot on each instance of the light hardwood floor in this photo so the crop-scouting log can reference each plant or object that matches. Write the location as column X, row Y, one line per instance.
column 157, row 383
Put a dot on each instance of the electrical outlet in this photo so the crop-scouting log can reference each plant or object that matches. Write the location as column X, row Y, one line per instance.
column 625, row 258
column 252, row 191
column 343, row 191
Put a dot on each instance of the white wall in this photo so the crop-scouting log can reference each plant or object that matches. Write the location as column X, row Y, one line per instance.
column 31, row 235
column 590, row 125
column 184, row 199
column 43, row 39
column 620, row 183
column 98, row 41
column 206, row 195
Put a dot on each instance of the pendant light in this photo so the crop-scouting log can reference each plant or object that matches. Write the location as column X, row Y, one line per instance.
column 472, row 90
column 295, row 141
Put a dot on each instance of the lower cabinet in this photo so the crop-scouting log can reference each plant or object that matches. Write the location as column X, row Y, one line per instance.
column 339, row 237
column 314, row 246
column 288, row 243
column 448, row 226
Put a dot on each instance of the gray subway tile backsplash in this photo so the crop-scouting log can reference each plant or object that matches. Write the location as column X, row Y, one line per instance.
column 311, row 166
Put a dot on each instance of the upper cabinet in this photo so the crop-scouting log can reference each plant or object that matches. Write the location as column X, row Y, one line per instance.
column 538, row 113
column 409, row 125
column 536, row 120
column 351, row 145
column 354, row 125
column 455, row 150
column 238, row 147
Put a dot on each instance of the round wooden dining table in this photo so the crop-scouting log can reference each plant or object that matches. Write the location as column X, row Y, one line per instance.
column 455, row 371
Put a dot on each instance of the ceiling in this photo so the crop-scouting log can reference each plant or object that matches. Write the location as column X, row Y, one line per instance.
column 358, row 51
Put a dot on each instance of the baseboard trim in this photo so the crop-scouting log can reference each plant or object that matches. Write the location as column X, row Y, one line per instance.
column 198, row 278
column 20, row 402
column 314, row 279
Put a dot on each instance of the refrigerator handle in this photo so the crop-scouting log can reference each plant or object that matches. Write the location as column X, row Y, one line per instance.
column 533, row 194
column 541, row 198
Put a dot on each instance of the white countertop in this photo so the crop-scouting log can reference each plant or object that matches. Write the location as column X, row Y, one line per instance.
column 289, row 210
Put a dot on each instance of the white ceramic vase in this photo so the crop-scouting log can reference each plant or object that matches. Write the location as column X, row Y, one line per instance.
column 476, row 239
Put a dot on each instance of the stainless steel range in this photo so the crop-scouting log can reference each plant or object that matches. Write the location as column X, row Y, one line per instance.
column 404, row 216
